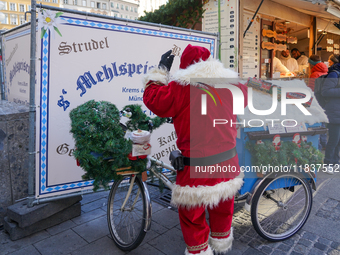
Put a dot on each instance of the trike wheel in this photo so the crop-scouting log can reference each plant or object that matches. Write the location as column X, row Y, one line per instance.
column 281, row 206
column 126, row 221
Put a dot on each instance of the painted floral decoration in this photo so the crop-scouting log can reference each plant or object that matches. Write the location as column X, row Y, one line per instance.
column 49, row 20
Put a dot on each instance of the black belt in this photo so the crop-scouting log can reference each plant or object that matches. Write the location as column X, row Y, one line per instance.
column 211, row 160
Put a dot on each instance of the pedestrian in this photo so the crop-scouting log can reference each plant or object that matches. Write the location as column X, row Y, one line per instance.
column 331, row 91
column 202, row 145
column 317, row 68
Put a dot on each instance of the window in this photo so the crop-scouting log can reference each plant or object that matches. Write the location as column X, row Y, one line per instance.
column 131, row 8
column 116, row 15
column 104, row 6
column 98, row 5
column 6, row 19
column 14, row 19
column 126, row 8
column 21, row 8
column 47, row 0
column 28, row 8
column 122, row 7
column 92, row 4
column 135, row 9
column 84, row 3
column 121, row 16
column 65, row 1
column 112, row 5
column 75, row 2
column 22, row 20
column 12, row 7
column 126, row 16
column 117, row 6
column 55, row 1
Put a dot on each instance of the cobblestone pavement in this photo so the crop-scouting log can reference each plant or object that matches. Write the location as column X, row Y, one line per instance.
column 89, row 234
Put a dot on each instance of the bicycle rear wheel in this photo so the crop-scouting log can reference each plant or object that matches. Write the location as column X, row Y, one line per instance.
column 126, row 213
column 281, row 206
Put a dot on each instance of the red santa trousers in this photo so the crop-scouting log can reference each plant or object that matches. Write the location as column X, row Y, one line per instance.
column 196, row 230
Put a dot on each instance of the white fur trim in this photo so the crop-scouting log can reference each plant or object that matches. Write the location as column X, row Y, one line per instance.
column 206, row 252
column 156, row 74
column 222, row 245
column 206, row 195
column 211, row 68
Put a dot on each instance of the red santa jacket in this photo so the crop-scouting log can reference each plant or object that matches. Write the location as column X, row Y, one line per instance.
column 197, row 137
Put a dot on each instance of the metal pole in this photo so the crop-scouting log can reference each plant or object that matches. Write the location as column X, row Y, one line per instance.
column 2, row 76
column 219, row 28
column 31, row 142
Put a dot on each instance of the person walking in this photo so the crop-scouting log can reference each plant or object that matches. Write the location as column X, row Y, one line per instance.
column 317, row 68
column 331, row 91
column 202, row 145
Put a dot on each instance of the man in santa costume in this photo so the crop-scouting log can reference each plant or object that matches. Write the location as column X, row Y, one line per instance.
column 203, row 146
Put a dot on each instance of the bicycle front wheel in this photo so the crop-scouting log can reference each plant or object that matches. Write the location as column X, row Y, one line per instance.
column 281, row 206
column 126, row 213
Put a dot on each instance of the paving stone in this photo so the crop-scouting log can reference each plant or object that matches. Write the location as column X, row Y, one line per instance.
column 88, row 198
column 320, row 246
column 156, row 207
column 289, row 242
column 28, row 250
column 325, row 241
column 252, row 251
column 333, row 252
column 61, row 227
column 150, row 235
column 62, row 243
column 100, row 203
column 266, row 249
column 296, row 253
column 7, row 245
column 237, row 245
column 284, row 247
column 315, row 251
column 335, row 245
column 145, row 249
column 102, row 246
column 310, row 236
column 85, row 217
column 93, row 230
column 300, row 248
column 167, row 218
column 158, row 228
column 279, row 252
column 305, row 242
column 255, row 244
column 170, row 242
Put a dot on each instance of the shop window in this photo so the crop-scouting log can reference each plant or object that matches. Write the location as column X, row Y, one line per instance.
column 84, row 3
column 266, row 55
column 92, row 4
column 75, row 2
column 98, row 5
column 104, row 6
column 65, row 1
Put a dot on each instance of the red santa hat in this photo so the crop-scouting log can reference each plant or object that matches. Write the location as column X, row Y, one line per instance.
column 193, row 54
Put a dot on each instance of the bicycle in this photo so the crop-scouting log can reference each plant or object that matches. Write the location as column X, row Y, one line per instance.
column 280, row 204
